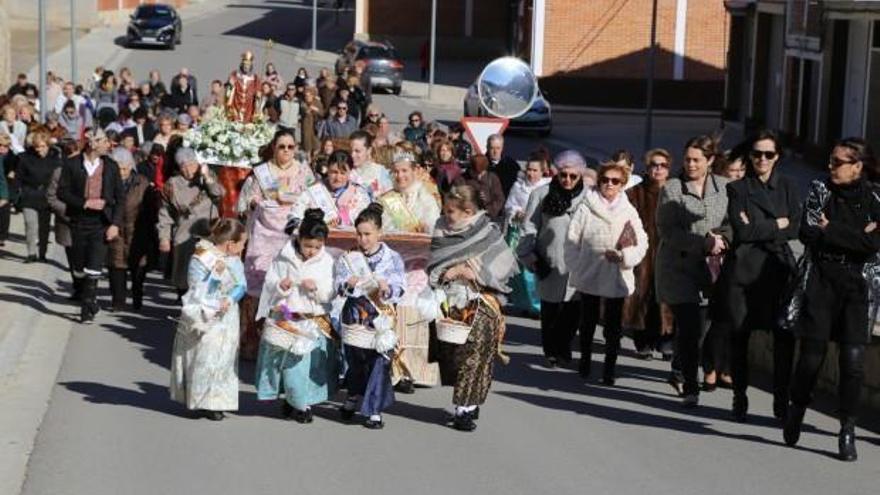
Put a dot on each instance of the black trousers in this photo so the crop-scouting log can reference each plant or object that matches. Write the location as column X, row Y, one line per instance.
column 89, row 249
column 689, row 324
column 611, row 328
column 559, row 323
column 783, row 362
column 5, row 214
column 851, row 365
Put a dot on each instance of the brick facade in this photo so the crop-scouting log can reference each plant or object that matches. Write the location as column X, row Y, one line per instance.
column 596, row 52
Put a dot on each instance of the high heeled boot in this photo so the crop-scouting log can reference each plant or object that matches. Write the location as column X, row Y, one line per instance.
column 794, row 420
column 846, row 441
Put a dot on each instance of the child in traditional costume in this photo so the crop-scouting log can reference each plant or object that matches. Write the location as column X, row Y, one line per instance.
column 204, row 362
column 372, row 279
column 297, row 354
column 471, row 265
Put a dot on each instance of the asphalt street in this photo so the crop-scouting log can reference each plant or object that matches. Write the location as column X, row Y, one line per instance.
column 111, row 428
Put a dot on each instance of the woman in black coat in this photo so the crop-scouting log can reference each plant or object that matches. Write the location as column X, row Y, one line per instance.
column 34, row 174
column 763, row 210
column 842, row 239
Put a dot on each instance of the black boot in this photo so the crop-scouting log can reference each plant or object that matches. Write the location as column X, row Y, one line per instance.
column 610, row 364
column 846, row 441
column 89, row 304
column 117, row 288
column 138, row 277
column 77, row 290
column 740, row 407
column 791, row 432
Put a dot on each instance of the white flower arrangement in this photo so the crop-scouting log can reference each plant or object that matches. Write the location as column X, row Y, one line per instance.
column 221, row 141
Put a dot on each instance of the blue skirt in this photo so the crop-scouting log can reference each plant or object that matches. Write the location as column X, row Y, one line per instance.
column 304, row 380
column 369, row 376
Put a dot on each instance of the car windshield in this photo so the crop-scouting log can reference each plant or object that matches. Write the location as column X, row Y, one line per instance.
column 152, row 11
column 371, row 52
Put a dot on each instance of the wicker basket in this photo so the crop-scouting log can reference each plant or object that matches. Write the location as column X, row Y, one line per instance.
column 358, row 336
column 294, row 342
column 452, row 332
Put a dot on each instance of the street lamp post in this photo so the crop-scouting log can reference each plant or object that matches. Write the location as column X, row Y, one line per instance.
column 433, row 47
column 649, row 97
column 74, row 76
column 42, row 56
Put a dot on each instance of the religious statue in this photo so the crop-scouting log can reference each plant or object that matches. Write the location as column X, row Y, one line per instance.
column 242, row 90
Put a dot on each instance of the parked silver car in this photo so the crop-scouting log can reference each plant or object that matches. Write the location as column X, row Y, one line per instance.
column 538, row 118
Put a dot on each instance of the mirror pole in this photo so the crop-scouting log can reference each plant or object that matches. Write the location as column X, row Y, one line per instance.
column 42, row 56
column 649, row 97
column 74, row 75
column 433, row 47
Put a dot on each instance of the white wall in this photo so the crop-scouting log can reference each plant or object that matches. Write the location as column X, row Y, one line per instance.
column 856, row 78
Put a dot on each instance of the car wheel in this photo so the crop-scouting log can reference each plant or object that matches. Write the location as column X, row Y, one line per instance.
column 396, row 90
column 179, row 38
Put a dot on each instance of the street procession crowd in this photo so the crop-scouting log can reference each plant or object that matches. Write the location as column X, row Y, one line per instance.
column 355, row 257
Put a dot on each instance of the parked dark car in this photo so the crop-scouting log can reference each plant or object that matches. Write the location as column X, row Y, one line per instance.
column 156, row 25
column 538, row 118
column 384, row 67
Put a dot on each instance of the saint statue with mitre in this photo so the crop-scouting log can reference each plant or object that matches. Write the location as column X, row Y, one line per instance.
column 242, row 90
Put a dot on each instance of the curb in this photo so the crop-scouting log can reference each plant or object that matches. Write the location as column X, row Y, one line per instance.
column 31, row 354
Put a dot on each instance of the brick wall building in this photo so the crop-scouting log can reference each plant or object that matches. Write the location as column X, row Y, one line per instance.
column 597, row 52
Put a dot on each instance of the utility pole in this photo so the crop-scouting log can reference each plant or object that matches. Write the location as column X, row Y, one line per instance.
column 74, row 76
column 42, row 56
column 433, row 48
column 649, row 103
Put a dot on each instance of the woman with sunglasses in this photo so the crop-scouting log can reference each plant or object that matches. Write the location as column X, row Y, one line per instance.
column 541, row 250
column 763, row 209
column 605, row 241
column 690, row 215
column 651, row 322
column 839, row 231
column 267, row 199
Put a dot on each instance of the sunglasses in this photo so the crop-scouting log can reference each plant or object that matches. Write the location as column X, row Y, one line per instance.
column 768, row 155
column 614, row 181
column 835, row 162
column 373, row 114
column 658, row 165
column 563, row 175
column 342, row 108
column 286, row 147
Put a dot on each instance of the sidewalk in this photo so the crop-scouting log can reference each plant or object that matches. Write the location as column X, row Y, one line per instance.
column 33, row 337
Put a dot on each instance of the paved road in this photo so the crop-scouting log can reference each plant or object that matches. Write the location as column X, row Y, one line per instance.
column 110, row 427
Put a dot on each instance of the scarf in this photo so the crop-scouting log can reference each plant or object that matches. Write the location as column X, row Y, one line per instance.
column 477, row 239
column 558, row 200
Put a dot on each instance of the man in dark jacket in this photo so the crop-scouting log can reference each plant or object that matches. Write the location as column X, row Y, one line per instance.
column 91, row 188
column 503, row 165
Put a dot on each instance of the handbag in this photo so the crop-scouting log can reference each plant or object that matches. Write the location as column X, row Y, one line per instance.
column 793, row 293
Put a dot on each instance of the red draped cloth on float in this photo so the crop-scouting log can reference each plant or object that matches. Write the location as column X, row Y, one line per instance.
column 231, row 178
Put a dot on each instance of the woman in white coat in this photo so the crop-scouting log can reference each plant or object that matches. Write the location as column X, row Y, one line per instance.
column 605, row 241
column 204, row 363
